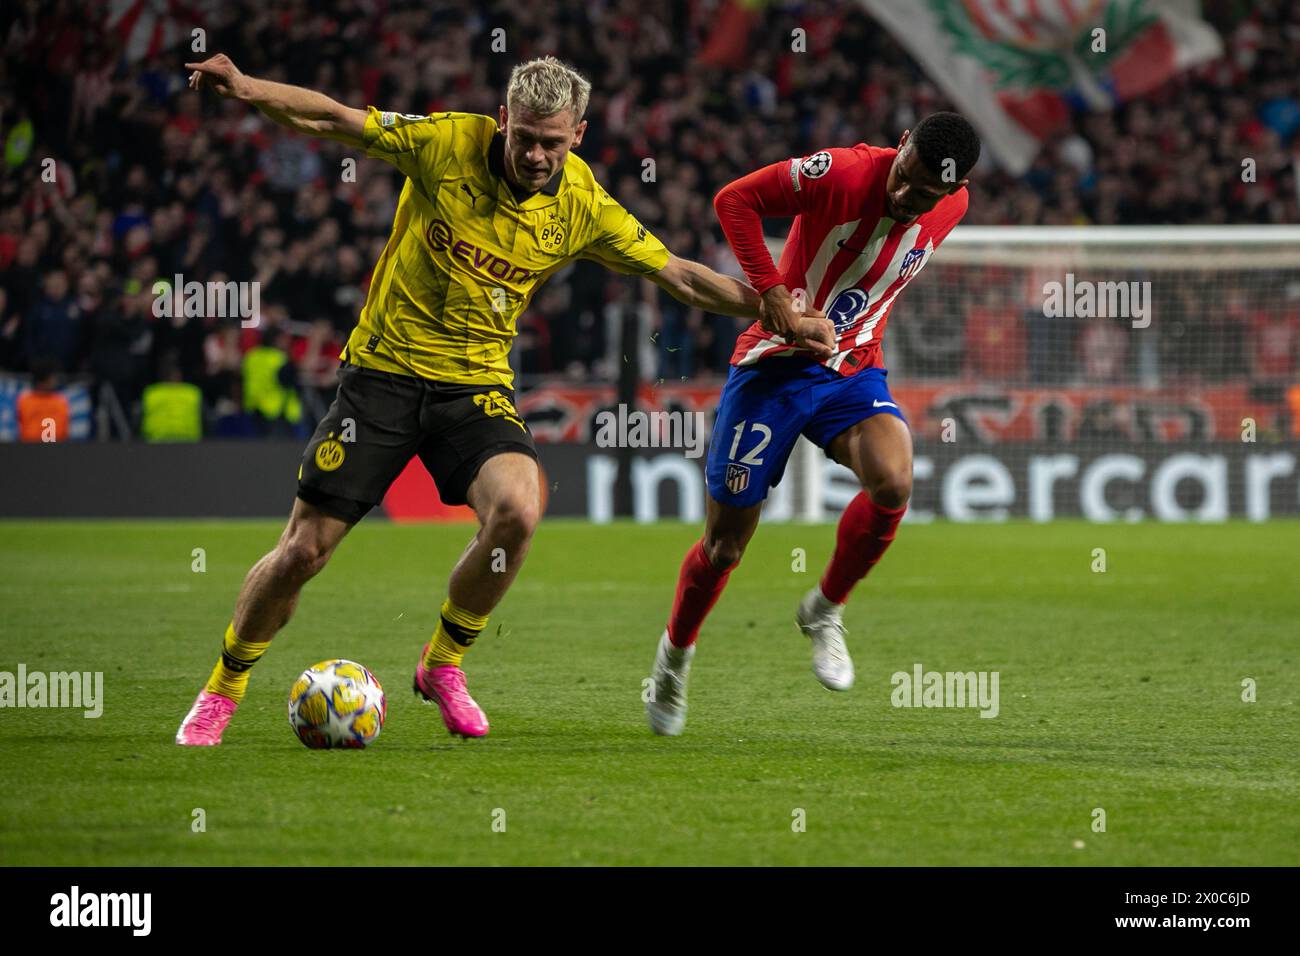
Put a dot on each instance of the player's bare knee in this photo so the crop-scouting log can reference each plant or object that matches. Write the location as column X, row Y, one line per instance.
column 892, row 491
column 512, row 520
column 723, row 553
column 302, row 557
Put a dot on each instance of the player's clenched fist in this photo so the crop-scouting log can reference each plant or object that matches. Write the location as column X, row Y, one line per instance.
column 812, row 330
column 808, row 329
column 217, row 73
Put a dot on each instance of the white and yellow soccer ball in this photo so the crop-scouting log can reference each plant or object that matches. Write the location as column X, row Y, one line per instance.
column 337, row 704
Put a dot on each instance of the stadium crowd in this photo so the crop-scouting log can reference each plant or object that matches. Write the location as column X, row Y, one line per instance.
column 152, row 181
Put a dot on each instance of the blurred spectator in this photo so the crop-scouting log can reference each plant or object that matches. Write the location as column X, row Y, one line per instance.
column 1224, row 354
column 42, row 409
column 316, row 356
column 995, row 339
column 1276, row 335
column 122, row 339
column 623, row 305
column 52, row 330
column 172, row 409
column 1103, row 350
column 269, row 381
column 675, row 339
column 928, row 334
column 1051, row 359
column 10, row 341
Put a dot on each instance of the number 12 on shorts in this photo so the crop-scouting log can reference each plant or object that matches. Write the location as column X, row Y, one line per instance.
column 752, row 456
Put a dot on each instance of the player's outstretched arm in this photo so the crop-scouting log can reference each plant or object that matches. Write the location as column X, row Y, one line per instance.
column 699, row 286
column 302, row 110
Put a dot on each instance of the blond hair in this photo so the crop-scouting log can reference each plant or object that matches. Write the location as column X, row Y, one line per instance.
column 546, row 86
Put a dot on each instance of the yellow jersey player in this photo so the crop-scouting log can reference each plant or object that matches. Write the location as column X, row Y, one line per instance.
column 490, row 208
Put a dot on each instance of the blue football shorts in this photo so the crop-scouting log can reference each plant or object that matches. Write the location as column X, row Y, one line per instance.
column 764, row 409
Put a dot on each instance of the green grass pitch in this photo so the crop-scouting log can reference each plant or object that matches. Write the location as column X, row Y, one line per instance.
column 1119, row 690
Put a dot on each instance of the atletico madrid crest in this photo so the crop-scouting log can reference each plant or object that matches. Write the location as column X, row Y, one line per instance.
column 737, row 478
column 912, row 263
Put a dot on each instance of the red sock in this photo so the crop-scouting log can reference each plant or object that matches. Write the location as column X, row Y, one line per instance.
column 699, row 585
column 864, row 533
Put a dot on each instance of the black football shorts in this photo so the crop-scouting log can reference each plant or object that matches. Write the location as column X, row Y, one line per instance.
column 380, row 420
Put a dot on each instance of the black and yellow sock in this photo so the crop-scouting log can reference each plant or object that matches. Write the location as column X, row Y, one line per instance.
column 456, row 631
column 230, row 676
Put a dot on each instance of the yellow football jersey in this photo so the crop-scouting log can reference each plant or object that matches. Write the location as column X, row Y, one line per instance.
column 466, row 255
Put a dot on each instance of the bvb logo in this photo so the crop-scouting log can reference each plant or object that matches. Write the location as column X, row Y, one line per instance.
column 552, row 235
column 329, row 455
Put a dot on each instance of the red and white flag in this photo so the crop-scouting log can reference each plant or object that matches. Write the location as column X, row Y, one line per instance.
column 1017, row 68
column 148, row 27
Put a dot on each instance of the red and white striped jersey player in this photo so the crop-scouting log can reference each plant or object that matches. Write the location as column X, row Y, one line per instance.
column 867, row 220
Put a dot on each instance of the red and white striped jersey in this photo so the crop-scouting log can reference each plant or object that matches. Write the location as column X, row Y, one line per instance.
column 844, row 251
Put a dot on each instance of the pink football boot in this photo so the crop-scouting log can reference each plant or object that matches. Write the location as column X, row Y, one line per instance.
column 445, row 686
column 206, row 720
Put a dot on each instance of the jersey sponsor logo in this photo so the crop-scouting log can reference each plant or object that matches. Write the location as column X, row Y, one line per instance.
column 737, row 478
column 848, row 307
column 912, row 263
column 329, row 455
column 816, row 165
column 440, row 237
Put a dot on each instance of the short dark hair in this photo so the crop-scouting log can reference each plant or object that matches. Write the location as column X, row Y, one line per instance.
column 943, row 136
column 169, row 363
column 44, row 368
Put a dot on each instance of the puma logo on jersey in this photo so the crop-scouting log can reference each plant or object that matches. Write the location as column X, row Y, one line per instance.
column 472, row 198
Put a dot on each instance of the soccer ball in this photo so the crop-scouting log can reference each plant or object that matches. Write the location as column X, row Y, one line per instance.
column 337, row 704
